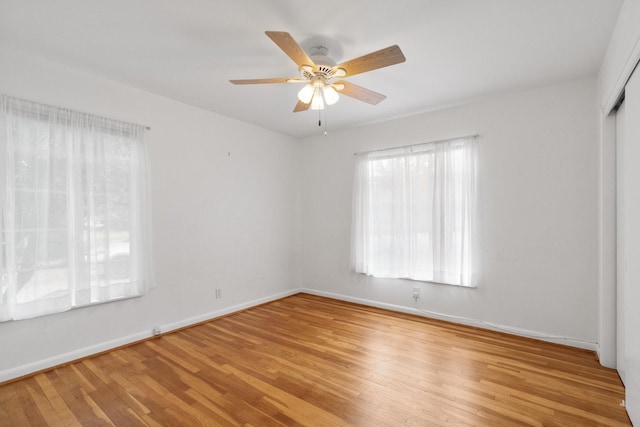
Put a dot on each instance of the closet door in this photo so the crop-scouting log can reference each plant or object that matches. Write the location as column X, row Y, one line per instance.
column 621, row 217
column 632, row 247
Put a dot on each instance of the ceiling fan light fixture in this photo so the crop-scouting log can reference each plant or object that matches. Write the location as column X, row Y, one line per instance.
column 306, row 93
column 317, row 103
column 330, row 95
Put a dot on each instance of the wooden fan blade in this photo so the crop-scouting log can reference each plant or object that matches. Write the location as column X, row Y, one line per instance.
column 290, row 47
column 381, row 58
column 261, row 81
column 301, row 106
column 360, row 93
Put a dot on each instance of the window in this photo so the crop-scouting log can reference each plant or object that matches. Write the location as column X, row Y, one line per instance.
column 74, row 214
column 414, row 212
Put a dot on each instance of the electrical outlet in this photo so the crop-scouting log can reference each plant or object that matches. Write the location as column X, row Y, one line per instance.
column 218, row 293
column 416, row 293
column 157, row 330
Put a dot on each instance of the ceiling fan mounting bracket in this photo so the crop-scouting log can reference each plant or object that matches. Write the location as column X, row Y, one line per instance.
column 317, row 50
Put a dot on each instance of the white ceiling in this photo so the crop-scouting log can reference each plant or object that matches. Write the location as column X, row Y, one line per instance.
column 187, row 50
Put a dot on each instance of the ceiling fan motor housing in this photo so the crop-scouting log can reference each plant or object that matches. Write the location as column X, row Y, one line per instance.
column 319, row 54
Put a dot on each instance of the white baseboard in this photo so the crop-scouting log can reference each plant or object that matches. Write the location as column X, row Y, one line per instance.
column 224, row 311
column 470, row 322
column 61, row 359
column 65, row 358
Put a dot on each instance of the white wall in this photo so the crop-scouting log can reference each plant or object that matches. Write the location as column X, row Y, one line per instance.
column 537, row 210
column 224, row 200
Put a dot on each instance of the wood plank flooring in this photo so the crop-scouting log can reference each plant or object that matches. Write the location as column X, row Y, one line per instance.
column 311, row 361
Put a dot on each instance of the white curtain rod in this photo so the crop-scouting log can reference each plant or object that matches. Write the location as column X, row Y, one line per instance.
column 476, row 135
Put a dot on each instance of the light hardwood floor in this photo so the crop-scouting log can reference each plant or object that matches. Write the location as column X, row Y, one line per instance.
column 312, row 361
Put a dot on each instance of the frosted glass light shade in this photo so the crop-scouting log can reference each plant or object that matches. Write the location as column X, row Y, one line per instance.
column 330, row 95
column 306, row 93
column 317, row 103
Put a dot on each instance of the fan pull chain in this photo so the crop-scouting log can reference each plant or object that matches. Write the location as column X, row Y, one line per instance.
column 325, row 122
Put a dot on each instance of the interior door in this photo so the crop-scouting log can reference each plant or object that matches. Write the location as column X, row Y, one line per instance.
column 631, row 254
column 621, row 211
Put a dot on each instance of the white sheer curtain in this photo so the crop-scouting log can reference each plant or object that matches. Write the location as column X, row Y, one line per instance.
column 74, row 197
column 414, row 211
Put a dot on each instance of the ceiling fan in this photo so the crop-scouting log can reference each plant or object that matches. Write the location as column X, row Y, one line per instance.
column 318, row 71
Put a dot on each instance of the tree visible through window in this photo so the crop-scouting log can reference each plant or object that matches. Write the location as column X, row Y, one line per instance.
column 74, row 210
column 414, row 212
